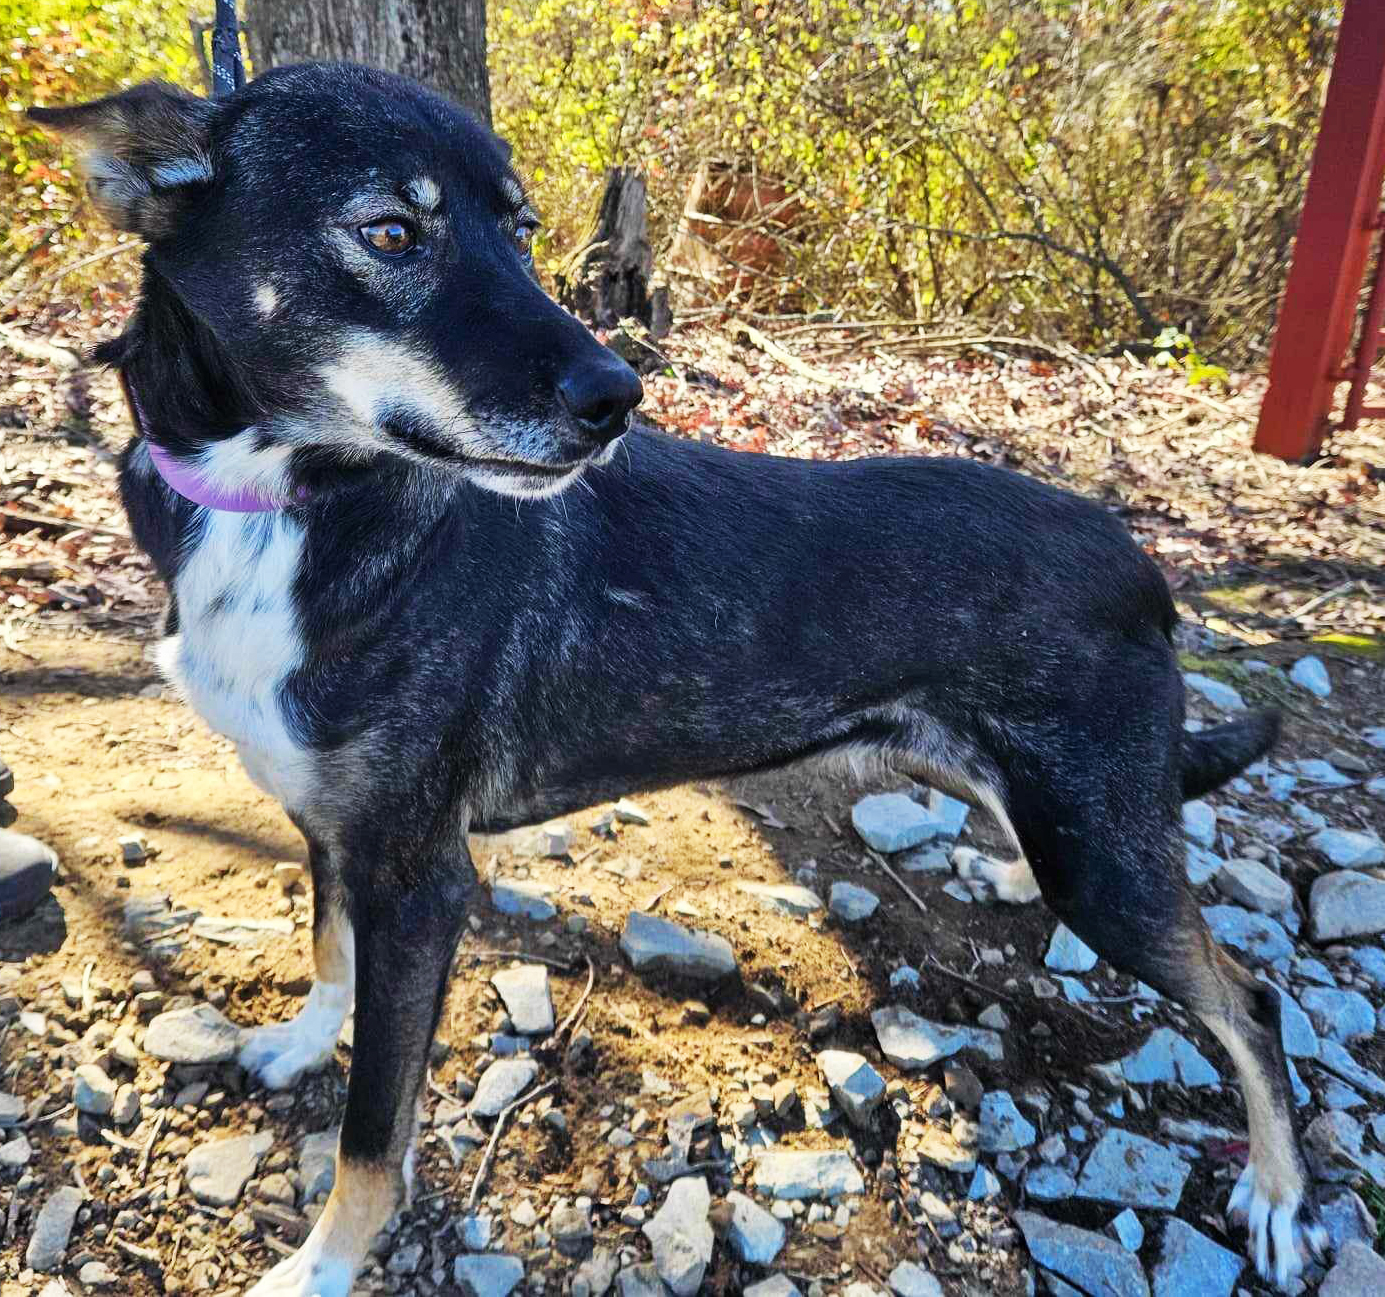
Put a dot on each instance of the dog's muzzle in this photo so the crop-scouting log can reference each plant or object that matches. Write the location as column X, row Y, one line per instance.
column 597, row 396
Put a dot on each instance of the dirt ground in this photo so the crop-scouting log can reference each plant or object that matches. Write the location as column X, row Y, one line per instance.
column 101, row 751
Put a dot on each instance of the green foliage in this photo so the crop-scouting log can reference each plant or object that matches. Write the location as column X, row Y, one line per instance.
column 1374, row 1197
column 1176, row 351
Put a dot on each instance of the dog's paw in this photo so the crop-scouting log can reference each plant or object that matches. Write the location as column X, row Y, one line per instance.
column 988, row 879
column 1280, row 1233
column 305, row 1275
column 280, row 1054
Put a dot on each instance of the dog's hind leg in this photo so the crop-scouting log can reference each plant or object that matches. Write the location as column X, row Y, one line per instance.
column 1113, row 873
column 406, row 935
column 282, row 1052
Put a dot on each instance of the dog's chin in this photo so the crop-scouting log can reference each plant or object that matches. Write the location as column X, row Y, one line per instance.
column 521, row 481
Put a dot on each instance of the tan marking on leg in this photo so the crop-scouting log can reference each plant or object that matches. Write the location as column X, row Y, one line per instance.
column 334, row 948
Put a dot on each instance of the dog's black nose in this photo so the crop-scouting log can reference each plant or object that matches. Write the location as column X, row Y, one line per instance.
column 599, row 396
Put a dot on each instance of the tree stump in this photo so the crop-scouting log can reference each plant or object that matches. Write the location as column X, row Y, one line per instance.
column 609, row 281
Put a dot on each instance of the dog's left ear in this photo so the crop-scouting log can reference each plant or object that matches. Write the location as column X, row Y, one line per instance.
column 146, row 153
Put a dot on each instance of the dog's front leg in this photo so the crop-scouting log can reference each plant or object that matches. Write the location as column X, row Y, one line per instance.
column 405, row 937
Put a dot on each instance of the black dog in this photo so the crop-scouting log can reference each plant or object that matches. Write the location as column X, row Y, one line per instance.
column 357, row 409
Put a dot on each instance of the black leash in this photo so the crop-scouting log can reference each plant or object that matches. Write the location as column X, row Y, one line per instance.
column 228, row 71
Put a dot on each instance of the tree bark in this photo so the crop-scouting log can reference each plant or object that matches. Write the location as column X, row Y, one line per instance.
column 441, row 43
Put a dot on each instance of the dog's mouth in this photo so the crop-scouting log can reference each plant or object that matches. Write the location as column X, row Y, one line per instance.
column 421, row 442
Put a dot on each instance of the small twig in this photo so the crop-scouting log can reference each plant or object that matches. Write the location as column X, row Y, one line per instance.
column 26, row 518
column 565, row 966
column 571, row 1020
column 657, row 897
column 880, row 860
column 142, row 1169
column 145, row 1254
column 29, row 289
column 86, row 985
column 484, row 1169
column 46, row 1117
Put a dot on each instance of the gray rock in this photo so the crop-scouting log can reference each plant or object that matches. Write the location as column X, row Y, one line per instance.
column 53, row 1228
column 1338, row 1015
column 127, row 1107
column 27, row 870
column 1258, row 935
column 994, row 1018
column 681, row 1235
column 1295, row 1030
column 1191, row 1265
column 1310, row 674
column 96, row 1274
column 641, row 1281
column 1049, row 1184
column 1349, row 849
column 1096, row 1265
column 522, row 897
column 1003, row 1129
column 651, row 943
column 317, row 1164
column 1168, row 1057
column 16, row 1154
column 754, row 1235
column 856, row 1086
column 948, row 813
column 571, row 1228
column 501, row 1084
column 784, row 898
column 934, row 859
column 892, row 822
column 11, row 1110
column 1370, row 963
column 984, row 1184
column 488, row 1275
column 1222, row 696
column 1359, row 1272
column 197, row 1034
column 1347, row 1220
column 525, row 994
column 1315, row 770
column 800, row 1174
column 597, row 1273
column 906, row 976
column 1200, row 823
column 775, row 1286
column 93, row 1092
column 217, row 1172
column 852, row 904
column 1346, row 904
column 1375, row 736
column 1200, row 864
column 1256, row 886
column 1068, row 953
column 910, row 1280
column 1128, row 1231
column 1132, row 1171
column 912, row 1043
column 240, row 932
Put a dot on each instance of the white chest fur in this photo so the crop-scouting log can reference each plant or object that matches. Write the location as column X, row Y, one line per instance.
column 238, row 640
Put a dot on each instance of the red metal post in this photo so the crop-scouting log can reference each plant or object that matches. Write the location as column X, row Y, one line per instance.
column 1334, row 239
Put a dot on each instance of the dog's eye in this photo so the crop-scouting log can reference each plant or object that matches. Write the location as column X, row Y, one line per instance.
column 393, row 238
column 524, row 237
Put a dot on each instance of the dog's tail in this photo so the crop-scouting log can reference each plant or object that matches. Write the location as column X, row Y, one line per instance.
column 1208, row 758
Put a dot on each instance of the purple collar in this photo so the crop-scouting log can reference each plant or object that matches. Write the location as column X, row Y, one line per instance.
column 186, row 480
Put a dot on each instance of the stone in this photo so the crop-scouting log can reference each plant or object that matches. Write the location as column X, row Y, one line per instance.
column 1370, row 963
column 1168, row 1057
column 994, row 1018
column 1221, row 696
column 11, row 1110
column 96, row 1274
column 317, row 1164
column 1096, row 1265
column 904, row 976
column 1315, row 770
column 1309, row 673
column 1338, row 1015
column 1359, row 1272
column 627, row 812
column 488, row 1275
column 27, row 870
column 784, row 898
column 217, row 1172
column 1128, row 1231
column 1346, row 904
column 1068, row 953
column 1201, row 865
column 526, row 997
column 1132, row 1171
column 891, row 822
column 1349, row 849
column 948, row 813
column 16, row 1154
column 198, row 1034
column 641, row 1281
column 1254, row 885
column 524, row 898
column 1295, row 1030
column 1258, row 935
column 681, row 1235
column 1200, row 823
column 912, row 1043
column 775, row 1286
column 571, row 1228
column 1334, row 1057
column 910, row 1280
column 1347, row 1220
column 1192, row 1265
column 1003, row 1129
column 754, row 1235
column 659, row 944
column 984, row 1184
column 53, row 1228
column 475, row 1232
column 501, row 1084
column 934, row 859
column 801, row 1174
column 942, row 1149
column 1049, row 1184
column 852, row 904
column 856, row 1086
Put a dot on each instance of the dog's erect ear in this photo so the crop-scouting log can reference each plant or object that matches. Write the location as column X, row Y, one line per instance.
column 145, row 152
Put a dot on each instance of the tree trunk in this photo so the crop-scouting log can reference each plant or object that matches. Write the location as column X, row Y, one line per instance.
column 441, row 43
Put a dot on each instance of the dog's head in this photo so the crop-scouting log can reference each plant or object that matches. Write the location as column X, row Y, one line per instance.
column 358, row 248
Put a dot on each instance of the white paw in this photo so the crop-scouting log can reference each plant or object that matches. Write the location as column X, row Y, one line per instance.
column 303, row 1275
column 989, row 879
column 1279, row 1235
column 280, row 1054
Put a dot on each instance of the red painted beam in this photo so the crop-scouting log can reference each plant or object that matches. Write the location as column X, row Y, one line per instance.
column 1317, row 315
